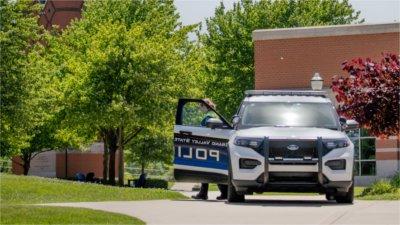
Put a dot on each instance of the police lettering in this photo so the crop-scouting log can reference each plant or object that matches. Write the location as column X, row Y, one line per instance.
column 200, row 154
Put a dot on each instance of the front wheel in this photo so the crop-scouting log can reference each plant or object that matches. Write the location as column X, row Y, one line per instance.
column 233, row 196
column 348, row 197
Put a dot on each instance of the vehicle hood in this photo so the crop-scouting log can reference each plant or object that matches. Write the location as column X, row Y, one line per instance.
column 291, row 133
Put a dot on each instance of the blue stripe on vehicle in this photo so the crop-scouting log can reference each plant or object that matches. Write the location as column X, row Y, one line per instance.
column 201, row 163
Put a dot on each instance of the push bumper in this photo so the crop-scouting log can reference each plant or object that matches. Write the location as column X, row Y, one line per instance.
column 314, row 169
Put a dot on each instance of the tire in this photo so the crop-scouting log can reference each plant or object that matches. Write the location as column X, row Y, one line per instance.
column 347, row 198
column 329, row 197
column 233, row 196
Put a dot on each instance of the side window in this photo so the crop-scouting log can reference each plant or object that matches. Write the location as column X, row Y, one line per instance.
column 196, row 114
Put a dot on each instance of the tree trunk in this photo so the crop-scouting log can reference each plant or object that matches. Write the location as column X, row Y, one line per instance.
column 26, row 161
column 27, row 166
column 105, row 159
column 121, row 168
column 143, row 166
column 111, row 168
column 112, row 144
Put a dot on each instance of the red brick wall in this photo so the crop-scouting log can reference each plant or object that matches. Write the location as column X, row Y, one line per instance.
column 16, row 168
column 387, row 149
column 59, row 12
column 81, row 163
column 78, row 162
column 290, row 63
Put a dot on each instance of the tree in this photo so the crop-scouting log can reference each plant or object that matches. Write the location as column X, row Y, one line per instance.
column 123, row 66
column 44, row 139
column 370, row 94
column 27, row 92
column 153, row 145
column 19, row 36
column 228, row 41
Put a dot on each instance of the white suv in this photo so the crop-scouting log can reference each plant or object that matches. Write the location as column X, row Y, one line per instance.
column 279, row 141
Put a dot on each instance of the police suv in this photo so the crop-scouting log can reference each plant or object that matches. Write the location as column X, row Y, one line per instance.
column 291, row 141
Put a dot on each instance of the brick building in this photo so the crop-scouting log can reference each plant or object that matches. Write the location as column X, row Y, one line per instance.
column 287, row 58
column 67, row 163
column 60, row 12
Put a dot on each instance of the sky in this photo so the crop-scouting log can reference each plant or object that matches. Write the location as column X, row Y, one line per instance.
column 373, row 11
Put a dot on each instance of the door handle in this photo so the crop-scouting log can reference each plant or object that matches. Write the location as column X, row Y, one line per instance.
column 184, row 132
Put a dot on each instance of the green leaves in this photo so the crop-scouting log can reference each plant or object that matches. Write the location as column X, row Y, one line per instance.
column 229, row 47
column 152, row 145
column 20, row 101
column 124, row 65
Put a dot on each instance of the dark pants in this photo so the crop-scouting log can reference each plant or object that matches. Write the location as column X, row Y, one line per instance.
column 222, row 188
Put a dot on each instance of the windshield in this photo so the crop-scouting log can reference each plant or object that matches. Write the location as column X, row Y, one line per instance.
column 288, row 114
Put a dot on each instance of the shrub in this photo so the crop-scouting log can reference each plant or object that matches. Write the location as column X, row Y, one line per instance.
column 395, row 181
column 378, row 188
column 155, row 183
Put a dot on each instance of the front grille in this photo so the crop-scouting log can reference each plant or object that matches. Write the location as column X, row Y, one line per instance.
column 293, row 177
column 287, row 149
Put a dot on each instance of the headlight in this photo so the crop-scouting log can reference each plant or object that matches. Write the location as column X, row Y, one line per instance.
column 248, row 142
column 332, row 144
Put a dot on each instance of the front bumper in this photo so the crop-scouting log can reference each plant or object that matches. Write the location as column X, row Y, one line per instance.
column 246, row 186
column 270, row 175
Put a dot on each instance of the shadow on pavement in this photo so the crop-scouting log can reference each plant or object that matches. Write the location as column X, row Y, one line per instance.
column 287, row 203
column 274, row 202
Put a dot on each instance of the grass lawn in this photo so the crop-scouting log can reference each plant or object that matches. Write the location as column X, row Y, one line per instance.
column 24, row 214
column 29, row 190
column 170, row 184
column 18, row 193
column 387, row 196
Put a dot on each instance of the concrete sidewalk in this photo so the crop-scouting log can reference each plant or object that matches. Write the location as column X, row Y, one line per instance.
column 256, row 210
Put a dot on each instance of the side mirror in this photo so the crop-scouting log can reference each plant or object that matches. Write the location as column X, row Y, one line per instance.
column 348, row 125
column 235, row 119
column 214, row 123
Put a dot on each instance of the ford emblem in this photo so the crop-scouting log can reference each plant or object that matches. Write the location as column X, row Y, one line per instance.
column 292, row 147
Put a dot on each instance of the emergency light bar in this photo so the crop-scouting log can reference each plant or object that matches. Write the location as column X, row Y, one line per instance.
column 250, row 93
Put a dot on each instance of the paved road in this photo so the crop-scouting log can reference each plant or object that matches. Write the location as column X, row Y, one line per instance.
column 256, row 210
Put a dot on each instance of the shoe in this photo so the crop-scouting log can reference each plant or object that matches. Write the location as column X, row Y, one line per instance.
column 200, row 197
column 221, row 197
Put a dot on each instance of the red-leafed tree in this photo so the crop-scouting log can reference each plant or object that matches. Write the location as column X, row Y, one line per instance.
column 370, row 94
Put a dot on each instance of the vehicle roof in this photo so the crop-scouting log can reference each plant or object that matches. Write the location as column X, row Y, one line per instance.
column 286, row 98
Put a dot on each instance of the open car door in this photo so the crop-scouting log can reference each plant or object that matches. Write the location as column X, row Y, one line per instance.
column 201, row 143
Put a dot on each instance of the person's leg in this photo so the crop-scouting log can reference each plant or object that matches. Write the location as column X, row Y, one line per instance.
column 223, row 188
column 203, row 193
column 204, row 189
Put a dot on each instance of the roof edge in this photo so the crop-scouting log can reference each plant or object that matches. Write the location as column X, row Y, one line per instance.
column 323, row 31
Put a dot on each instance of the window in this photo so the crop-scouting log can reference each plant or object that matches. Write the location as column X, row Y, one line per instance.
column 196, row 114
column 364, row 147
column 290, row 114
